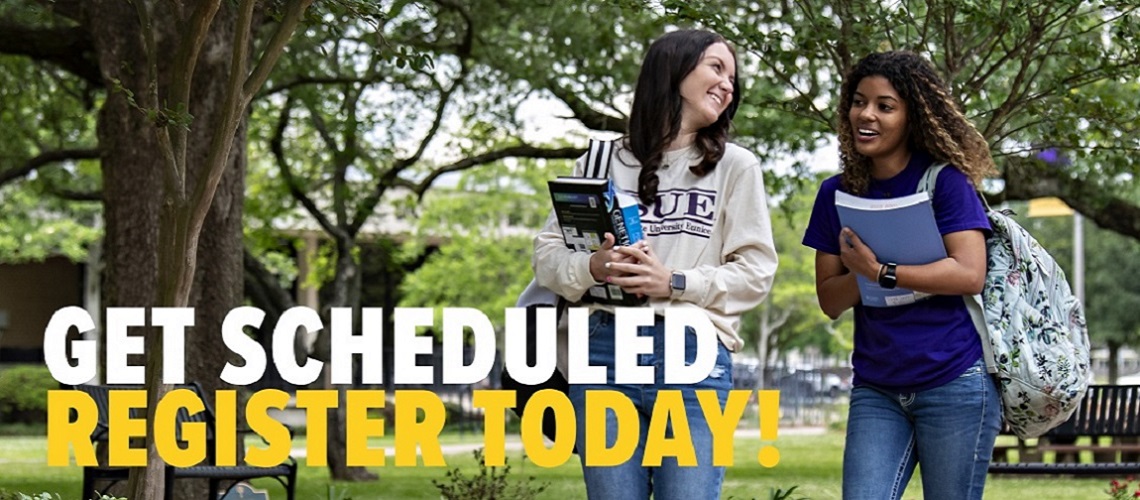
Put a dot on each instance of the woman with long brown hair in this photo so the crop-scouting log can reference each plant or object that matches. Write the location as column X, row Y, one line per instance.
column 708, row 247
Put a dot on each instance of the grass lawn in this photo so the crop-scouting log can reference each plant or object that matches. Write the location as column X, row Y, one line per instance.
column 810, row 462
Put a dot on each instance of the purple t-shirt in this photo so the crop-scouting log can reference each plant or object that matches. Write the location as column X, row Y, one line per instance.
column 918, row 346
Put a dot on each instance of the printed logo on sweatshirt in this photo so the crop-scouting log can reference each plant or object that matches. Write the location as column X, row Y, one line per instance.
column 688, row 211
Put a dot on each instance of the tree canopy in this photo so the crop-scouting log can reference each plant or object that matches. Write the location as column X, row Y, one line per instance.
column 1031, row 74
column 142, row 105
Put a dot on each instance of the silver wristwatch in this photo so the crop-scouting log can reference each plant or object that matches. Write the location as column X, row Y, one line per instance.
column 677, row 284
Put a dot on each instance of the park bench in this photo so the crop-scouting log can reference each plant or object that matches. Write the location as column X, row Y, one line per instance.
column 218, row 476
column 1108, row 419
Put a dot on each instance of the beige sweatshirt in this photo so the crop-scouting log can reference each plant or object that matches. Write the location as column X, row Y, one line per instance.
column 715, row 229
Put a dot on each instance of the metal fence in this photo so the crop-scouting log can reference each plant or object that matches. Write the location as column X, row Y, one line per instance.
column 807, row 397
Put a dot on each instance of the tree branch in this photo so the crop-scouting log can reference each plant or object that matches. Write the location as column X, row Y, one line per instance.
column 463, row 48
column 320, row 80
column 69, row 48
column 186, row 58
column 970, row 52
column 276, row 145
column 888, row 30
column 274, row 48
column 173, row 171
column 522, row 151
column 463, row 52
column 1067, row 147
column 44, row 159
column 801, row 96
column 591, row 118
column 321, row 127
column 240, row 89
column 344, row 158
column 981, row 75
column 1026, row 179
column 774, row 322
column 71, row 9
column 365, row 208
column 72, row 195
column 262, row 287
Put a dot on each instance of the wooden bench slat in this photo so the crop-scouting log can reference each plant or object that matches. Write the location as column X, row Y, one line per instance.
column 1101, row 469
column 1106, row 448
column 233, row 472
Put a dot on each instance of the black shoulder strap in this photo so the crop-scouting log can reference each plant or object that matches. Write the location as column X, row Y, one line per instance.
column 598, row 159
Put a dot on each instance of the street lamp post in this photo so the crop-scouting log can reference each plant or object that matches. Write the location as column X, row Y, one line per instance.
column 3, row 323
column 1079, row 257
column 1051, row 207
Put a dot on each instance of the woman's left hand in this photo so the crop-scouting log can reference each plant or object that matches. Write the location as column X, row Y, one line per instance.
column 857, row 256
column 646, row 275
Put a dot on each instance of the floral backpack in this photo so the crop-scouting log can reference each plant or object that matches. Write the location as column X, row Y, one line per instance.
column 1032, row 326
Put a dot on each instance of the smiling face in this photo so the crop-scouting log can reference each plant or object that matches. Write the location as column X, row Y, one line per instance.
column 707, row 90
column 879, row 123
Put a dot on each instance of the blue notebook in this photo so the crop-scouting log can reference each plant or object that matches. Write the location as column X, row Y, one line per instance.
column 900, row 230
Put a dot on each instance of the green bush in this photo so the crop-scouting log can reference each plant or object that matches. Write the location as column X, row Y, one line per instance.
column 22, row 429
column 16, row 495
column 490, row 483
column 23, row 393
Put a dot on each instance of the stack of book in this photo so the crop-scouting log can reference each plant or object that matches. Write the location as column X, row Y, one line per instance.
column 587, row 209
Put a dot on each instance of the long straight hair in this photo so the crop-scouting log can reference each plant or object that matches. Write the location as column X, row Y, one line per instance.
column 655, row 120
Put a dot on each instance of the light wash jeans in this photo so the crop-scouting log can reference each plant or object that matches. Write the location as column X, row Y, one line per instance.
column 950, row 430
column 631, row 480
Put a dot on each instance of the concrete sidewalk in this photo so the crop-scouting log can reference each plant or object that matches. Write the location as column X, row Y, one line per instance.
column 513, row 443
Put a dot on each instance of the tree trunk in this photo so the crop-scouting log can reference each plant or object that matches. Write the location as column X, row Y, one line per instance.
column 762, row 346
column 346, row 293
column 769, row 324
column 132, row 184
column 133, row 189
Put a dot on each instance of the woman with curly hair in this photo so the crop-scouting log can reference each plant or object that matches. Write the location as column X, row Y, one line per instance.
column 921, row 392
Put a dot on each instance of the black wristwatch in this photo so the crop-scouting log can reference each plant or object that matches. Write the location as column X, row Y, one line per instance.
column 677, row 284
column 887, row 278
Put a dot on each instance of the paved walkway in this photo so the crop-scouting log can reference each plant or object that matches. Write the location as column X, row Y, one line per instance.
column 514, row 444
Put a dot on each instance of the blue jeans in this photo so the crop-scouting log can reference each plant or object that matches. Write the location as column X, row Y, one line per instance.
column 631, row 480
column 949, row 429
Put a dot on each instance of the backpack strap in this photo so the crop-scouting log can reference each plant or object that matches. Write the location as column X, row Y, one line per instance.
column 978, row 316
column 974, row 304
column 599, row 156
column 930, row 179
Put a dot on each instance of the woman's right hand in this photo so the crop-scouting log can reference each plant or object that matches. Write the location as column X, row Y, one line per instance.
column 599, row 260
column 857, row 256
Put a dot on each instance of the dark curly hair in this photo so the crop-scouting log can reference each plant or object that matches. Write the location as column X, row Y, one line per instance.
column 655, row 120
column 935, row 122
